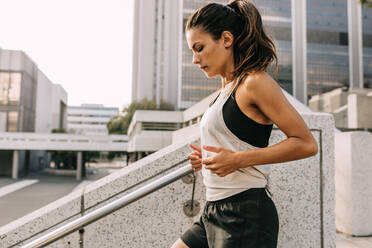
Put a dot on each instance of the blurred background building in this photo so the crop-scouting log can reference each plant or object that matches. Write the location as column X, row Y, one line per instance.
column 29, row 102
column 90, row 119
column 162, row 61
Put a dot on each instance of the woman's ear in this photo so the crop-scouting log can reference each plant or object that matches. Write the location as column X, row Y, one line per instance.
column 227, row 39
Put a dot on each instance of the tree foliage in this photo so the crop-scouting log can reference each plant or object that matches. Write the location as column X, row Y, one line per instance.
column 366, row 3
column 120, row 124
column 59, row 130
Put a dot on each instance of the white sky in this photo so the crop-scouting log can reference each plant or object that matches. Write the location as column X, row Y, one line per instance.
column 83, row 45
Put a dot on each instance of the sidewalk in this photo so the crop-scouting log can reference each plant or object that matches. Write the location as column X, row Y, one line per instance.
column 346, row 241
column 47, row 189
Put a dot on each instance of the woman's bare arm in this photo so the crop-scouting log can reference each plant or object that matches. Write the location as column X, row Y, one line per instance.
column 266, row 94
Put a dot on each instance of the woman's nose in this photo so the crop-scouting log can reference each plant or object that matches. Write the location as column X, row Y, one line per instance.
column 195, row 59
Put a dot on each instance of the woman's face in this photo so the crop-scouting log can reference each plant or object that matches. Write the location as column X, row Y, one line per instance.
column 214, row 57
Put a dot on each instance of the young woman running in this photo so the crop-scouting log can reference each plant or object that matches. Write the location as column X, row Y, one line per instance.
column 229, row 41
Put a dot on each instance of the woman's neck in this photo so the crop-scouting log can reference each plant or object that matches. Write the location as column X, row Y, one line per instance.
column 227, row 72
column 225, row 81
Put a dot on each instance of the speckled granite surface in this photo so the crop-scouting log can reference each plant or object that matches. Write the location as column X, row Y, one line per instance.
column 29, row 226
column 303, row 192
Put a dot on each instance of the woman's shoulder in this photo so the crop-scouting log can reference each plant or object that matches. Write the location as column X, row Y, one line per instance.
column 257, row 79
column 258, row 83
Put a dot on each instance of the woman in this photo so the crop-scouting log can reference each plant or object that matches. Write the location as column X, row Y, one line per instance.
column 229, row 41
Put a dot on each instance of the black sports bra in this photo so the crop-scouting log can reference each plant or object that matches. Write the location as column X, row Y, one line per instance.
column 243, row 127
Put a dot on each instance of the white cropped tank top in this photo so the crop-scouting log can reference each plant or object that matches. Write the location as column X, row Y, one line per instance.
column 214, row 132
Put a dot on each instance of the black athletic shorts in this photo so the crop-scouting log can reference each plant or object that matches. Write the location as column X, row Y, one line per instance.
column 247, row 219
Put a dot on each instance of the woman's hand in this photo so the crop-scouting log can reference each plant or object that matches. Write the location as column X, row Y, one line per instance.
column 195, row 158
column 223, row 163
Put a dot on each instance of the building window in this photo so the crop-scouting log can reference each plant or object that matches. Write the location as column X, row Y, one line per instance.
column 327, row 47
column 367, row 46
column 10, row 88
column 15, row 88
column 12, row 121
column 4, row 87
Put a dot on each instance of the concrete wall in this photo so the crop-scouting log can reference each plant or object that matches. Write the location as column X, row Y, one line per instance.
column 43, row 104
column 351, row 108
column 353, row 165
column 303, row 192
column 143, row 49
column 49, row 98
column 359, row 111
column 149, row 141
column 59, row 107
column 3, row 121
column 329, row 101
column 48, row 105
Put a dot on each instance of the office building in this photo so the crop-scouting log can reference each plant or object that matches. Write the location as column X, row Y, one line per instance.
column 29, row 102
column 90, row 119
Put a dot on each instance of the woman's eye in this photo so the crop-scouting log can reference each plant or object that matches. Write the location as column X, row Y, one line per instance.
column 199, row 49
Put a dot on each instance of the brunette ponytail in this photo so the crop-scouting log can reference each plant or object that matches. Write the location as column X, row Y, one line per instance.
column 253, row 49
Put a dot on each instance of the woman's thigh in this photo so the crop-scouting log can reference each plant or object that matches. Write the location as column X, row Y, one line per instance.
column 179, row 244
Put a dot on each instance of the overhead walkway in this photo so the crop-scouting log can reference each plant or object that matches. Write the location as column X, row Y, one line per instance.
column 62, row 142
column 17, row 141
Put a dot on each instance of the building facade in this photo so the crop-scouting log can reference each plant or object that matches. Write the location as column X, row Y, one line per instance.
column 18, row 86
column 162, row 61
column 90, row 119
column 29, row 102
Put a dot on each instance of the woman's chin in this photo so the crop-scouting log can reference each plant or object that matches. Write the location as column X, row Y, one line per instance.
column 209, row 75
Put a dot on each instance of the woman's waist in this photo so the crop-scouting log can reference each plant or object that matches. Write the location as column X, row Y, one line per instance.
column 243, row 176
column 251, row 193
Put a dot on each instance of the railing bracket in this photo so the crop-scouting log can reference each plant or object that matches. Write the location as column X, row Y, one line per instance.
column 190, row 209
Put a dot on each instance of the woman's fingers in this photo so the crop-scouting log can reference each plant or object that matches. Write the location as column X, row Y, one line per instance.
column 196, row 162
column 196, row 167
column 195, row 147
column 193, row 156
column 196, row 153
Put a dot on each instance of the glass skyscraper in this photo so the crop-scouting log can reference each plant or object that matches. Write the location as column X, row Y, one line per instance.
column 327, row 46
column 327, row 53
column 367, row 46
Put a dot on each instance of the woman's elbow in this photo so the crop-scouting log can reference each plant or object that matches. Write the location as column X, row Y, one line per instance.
column 312, row 148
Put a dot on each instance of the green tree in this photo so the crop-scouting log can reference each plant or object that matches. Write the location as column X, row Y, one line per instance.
column 59, row 130
column 366, row 3
column 120, row 124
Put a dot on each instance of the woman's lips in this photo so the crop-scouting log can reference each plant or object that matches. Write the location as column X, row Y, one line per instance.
column 204, row 67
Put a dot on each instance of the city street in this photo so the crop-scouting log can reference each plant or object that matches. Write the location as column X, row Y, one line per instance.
column 40, row 190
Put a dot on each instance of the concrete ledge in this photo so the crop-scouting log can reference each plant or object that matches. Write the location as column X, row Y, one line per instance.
column 353, row 183
column 51, row 216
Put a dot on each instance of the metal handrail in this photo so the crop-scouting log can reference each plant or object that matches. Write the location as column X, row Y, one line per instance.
column 109, row 208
